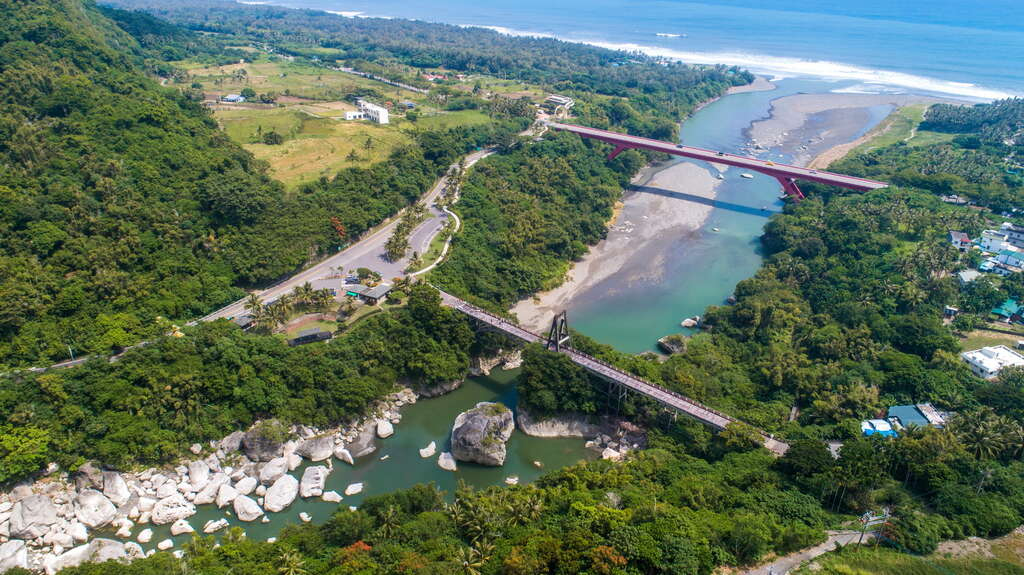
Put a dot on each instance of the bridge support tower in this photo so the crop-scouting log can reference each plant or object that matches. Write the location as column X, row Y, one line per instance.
column 558, row 335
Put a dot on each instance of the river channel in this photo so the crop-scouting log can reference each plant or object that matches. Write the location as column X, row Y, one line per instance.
column 702, row 270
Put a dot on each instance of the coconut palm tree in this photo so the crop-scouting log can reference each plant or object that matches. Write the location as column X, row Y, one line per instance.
column 469, row 560
column 304, row 294
column 253, row 304
column 291, row 563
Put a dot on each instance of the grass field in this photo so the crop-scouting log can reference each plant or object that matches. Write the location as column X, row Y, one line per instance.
column 901, row 126
column 445, row 120
column 290, row 78
column 981, row 338
column 313, row 146
column 885, row 562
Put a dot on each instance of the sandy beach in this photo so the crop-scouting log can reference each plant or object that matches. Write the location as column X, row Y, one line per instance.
column 648, row 215
column 822, row 127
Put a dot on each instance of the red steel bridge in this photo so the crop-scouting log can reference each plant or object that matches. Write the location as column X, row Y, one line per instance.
column 787, row 175
column 624, row 381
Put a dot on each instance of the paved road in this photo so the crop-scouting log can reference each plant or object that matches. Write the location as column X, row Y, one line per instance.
column 368, row 252
column 785, row 564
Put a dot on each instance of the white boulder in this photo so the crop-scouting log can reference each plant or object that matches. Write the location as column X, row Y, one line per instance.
column 13, row 554
column 343, row 454
column 214, row 526
column 181, row 526
column 171, row 509
column 313, row 480
column 165, row 544
column 246, row 485
column 145, row 536
column 385, row 429
column 246, row 509
column 354, row 488
column 115, row 488
column 305, row 517
column 198, row 474
column 273, row 470
column 226, row 494
column 429, row 450
column 281, row 494
column 331, row 497
column 446, row 461
column 32, row 517
column 208, row 494
column 93, row 509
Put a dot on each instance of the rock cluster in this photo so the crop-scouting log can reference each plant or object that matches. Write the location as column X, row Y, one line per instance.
column 46, row 526
column 479, row 435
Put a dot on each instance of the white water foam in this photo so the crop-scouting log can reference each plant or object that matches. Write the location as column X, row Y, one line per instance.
column 347, row 14
column 816, row 68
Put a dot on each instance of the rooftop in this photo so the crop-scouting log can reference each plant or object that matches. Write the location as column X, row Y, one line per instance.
column 993, row 358
column 1007, row 308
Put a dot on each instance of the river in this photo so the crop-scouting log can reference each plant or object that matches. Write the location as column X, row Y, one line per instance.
column 425, row 421
column 700, row 268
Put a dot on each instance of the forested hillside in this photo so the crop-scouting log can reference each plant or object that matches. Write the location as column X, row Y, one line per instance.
column 121, row 201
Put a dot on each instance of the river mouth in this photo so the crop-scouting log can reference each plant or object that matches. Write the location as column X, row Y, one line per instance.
column 422, row 422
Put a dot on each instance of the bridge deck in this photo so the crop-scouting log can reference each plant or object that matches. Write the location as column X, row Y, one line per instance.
column 776, row 170
column 663, row 396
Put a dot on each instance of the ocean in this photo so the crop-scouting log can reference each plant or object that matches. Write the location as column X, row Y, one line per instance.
column 963, row 49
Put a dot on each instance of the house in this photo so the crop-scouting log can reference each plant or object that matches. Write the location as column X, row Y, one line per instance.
column 1009, row 311
column 309, row 336
column 967, row 276
column 987, row 362
column 243, row 321
column 234, row 98
column 993, row 241
column 921, row 415
column 1014, row 234
column 407, row 105
column 877, row 427
column 373, row 112
column 960, row 240
column 554, row 102
column 370, row 295
column 950, row 311
column 1010, row 258
column 354, row 115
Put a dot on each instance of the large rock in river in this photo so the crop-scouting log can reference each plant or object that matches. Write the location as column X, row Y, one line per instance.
column 261, row 443
column 32, row 517
column 171, row 509
column 94, row 509
column 281, row 493
column 316, row 448
column 479, row 435
column 313, row 480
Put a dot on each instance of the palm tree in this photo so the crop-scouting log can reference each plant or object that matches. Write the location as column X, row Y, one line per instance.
column 982, row 434
column 304, row 294
column 291, row 563
column 253, row 304
column 470, row 561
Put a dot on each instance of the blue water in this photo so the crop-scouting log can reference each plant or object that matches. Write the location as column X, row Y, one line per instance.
column 963, row 48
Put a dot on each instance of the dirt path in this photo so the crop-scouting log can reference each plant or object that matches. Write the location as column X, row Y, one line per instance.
column 784, row 565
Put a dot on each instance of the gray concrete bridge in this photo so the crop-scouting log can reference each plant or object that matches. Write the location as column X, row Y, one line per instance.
column 670, row 399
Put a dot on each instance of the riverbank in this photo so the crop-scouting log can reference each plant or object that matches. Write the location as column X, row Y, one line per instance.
column 833, row 121
column 650, row 212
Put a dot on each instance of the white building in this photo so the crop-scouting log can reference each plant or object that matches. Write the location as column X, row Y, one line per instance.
column 987, row 362
column 355, row 115
column 1014, row 234
column 374, row 112
column 993, row 241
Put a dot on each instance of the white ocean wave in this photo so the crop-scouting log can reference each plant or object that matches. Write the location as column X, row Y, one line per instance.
column 252, row 2
column 820, row 69
column 347, row 14
column 510, row 31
